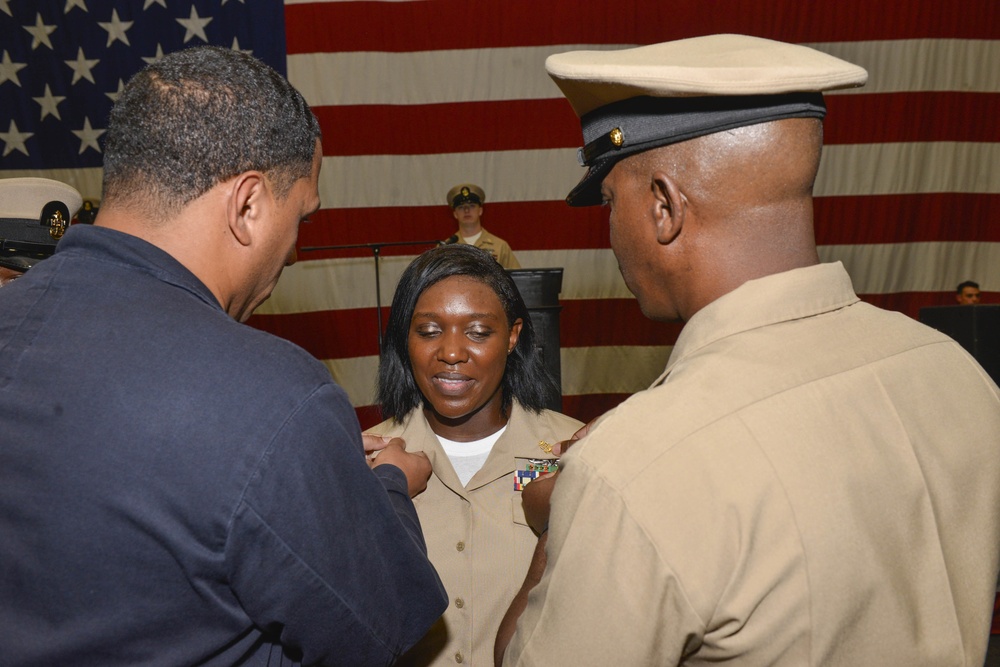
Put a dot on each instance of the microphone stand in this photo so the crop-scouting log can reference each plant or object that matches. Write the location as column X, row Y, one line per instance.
column 376, row 249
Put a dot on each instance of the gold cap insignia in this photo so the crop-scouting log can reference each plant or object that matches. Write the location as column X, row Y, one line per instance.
column 57, row 225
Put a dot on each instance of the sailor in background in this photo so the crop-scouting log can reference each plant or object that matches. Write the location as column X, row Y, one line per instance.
column 466, row 201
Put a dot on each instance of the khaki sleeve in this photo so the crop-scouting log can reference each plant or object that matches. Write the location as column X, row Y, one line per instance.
column 607, row 597
column 507, row 259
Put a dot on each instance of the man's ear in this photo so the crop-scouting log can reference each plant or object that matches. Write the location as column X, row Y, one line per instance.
column 669, row 207
column 245, row 205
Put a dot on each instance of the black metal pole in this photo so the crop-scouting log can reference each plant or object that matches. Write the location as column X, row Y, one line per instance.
column 376, row 249
column 378, row 299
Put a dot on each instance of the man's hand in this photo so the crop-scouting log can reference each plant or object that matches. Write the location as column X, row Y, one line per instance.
column 584, row 430
column 376, row 443
column 415, row 465
column 535, row 498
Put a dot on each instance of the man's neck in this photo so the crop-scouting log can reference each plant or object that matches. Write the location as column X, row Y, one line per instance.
column 469, row 229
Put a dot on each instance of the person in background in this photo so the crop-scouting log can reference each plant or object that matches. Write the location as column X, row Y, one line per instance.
column 34, row 214
column 177, row 488
column 466, row 202
column 802, row 485
column 967, row 293
column 461, row 380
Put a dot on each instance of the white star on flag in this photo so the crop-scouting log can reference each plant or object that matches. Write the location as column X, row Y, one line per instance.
column 14, row 140
column 88, row 136
column 158, row 56
column 103, row 43
column 9, row 69
column 195, row 26
column 49, row 103
column 40, row 33
column 116, row 28
column 236, row 47
column 113, row 96
column 81, row 67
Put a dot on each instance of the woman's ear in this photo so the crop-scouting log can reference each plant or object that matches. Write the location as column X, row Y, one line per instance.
column 669, row 207
column 515, row 333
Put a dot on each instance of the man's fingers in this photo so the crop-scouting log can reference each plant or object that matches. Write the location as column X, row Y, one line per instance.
column 374, row 443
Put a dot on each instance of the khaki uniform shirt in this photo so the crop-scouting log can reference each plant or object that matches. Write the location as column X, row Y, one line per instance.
column 814, row 481
column 477, row 536
column 497, row 247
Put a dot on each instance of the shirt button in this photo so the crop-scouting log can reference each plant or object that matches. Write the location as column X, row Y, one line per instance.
column 459, row 658
column 459, row 602
column 460, row 546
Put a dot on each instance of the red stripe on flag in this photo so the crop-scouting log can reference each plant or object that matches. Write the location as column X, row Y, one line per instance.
column 368, row 415
column 448, row 128
column 910, row 303
column 588, row 406
column 347, row 333
column 946, row 216
column 458, row 24
column 551, row 123
column 336, row 334
column 582, row 324
column 517, row 222
column 915, row 218
column 924, row 116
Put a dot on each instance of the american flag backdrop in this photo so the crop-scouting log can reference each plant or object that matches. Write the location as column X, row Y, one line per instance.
column 416, row 96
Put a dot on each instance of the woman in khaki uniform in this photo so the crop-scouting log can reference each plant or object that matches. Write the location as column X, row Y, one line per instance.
column 461, row 380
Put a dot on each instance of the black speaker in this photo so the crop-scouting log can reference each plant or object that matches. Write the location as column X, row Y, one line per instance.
column 976, row 328
column 540, row 290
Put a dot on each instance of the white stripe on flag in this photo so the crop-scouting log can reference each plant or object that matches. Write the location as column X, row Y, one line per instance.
column 908, row 168
column 335, row 284
column 611, row 370
column 357, row 377
column 922, row 65
column 880, row 268
column 889, row 268
column 518, row 73
column 549, row 174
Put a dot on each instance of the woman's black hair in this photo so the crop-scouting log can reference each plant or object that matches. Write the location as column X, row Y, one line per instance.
column 525, row 378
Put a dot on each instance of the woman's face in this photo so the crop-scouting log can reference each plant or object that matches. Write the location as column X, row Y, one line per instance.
column 458, row 344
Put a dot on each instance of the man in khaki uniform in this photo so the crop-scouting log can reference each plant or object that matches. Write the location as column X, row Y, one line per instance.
column 466, row 202
column 802, row 485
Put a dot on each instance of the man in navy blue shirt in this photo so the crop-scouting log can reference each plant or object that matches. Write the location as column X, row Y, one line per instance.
column 177, row 488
